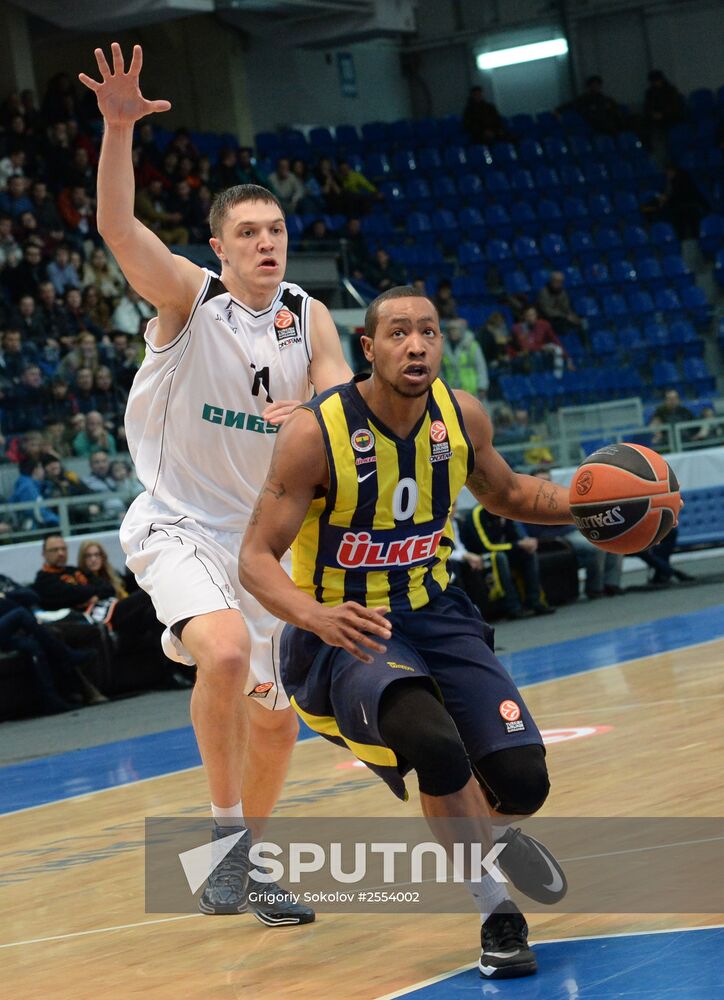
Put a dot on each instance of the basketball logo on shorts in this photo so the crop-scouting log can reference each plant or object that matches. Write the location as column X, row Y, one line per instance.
column 584, row 483
column 438, row 431
column 283, row 320
column 261, row 690
column 362, row 440
column 509, row 710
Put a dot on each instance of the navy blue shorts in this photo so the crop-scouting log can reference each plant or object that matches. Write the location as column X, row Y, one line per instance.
column 447, row 644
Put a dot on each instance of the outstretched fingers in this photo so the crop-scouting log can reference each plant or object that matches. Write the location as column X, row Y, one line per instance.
column 89, row 82
column 136, row 62
column 117, row 54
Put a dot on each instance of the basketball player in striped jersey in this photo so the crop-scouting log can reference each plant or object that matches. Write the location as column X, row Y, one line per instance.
column 227, row 359
column 362, row 481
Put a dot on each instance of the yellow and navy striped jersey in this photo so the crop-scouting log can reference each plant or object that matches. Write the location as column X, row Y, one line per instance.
column 381, row 535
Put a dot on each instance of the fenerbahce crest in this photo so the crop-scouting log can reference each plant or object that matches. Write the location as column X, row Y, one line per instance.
column 286, row 329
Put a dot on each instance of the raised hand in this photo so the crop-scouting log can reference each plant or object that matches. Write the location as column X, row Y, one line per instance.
column 120, row 100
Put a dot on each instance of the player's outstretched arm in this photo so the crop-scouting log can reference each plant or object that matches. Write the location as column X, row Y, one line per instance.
column 328, row 366
column 297, row 471
column 497, row 487
column 169, row 282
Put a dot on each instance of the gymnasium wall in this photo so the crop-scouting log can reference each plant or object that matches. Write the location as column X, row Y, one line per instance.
column 620, row 39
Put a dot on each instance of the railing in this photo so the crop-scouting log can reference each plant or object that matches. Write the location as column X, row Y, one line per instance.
column 32, row 511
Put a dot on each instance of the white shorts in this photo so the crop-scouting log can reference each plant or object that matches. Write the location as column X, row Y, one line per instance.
column 187, row 570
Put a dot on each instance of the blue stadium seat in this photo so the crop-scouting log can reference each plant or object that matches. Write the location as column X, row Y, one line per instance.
column 428, row 161
column 479, row 158
column 267, row 144
column 496, row 182
column 523, row 217
column 504, row 155
column 554, row 248
column 524, row 125
column 665, row 375
column 604, row 343
column 395, row 199
column 418, row 194
column 580, row 146
column 404, row 162
column 719, row 267
column 530, row 152
column 604, row 145
column 497, row 220
column 574, row 347
column 526, row 249
column 418, row 224
column 596, row 275
column 640, row 303
column 445, row 226
column 650, row 273
column 626, row 205
column 538, row 277
column 696, row 305
column 623, row 176
column 295, row 226
column 374, row 135
column 455, row 159
column 322, row 141
column 582, row 245
column 586, row 306
column 599, row 206
column 376, row 224
column 635, row 237
column 547, row 179
column 549, row 212
column 475, row 315
column 629, row 143
column 572, row 177
column 575, row 210
column 469, row 253
column 348, row 138
column 377, row 167
column 614, row 306
column 555, row 149
column 445, row 192
column 667, row 301
column 573, row 276
column 521, row 181
column 676, row 271
column 711, row 234
column 451, row 128
column 471, row 223
column 697, row 376
column 470, row 186
column 516, row 283
column 663, row 237
column 608, row 240
column 499, row 253
column 623, row 273
column 595, row 174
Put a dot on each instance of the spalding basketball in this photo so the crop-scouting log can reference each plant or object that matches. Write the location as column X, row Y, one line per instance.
column 624, row 498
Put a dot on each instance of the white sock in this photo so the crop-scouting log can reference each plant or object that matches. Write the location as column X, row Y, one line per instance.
column 228, row 815
column 488, row 895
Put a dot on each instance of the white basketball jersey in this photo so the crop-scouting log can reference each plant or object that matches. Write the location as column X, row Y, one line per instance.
column 193, row 419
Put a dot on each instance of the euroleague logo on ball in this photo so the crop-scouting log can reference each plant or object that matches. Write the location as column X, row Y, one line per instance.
column 283, row 320
column 584, row 483
column 438, row 431
column 509, row 710
column 362, row 440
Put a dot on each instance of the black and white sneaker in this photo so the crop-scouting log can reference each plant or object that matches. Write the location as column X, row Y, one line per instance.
column 504, row 952
column 531, row 867
column 276, row 907
column 226, row 890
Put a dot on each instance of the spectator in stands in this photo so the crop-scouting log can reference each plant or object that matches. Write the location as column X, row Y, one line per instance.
column 25, row 403
column 29, row 322
column 534, row 336
column 122, row 359
column 60, row 585
column 56, row 434
column 61, row 272
column 45, row 210
column 30, row 488
column 355, row 251
column 52, row 315
column 83, row 355
column 12, row 165
column 95, row 437
column 132, row 313
column 330, row 187
column 30, row 271
column 185, row 202
column 711, row 431
column 83, row 391
column 126, row 484
column 447, row 307
column 602, row 569
column 463, row 362
column 511, row 550
column 78, row 211
column 14, row 199
column 358, row 192
column 681, row 203
column 671, row 412
column 102, row 272
column 61, row 404
column 150, row 151
column 288, row 188
column 384, row 272
column 471, row 571
column 153, row 211
column 598, row 109
column 31, row 444
column 94, row 308
column 182, row 144
column 658, row 559
column 100, row 480
column 249, row 173
column 663, row 104
column 62, row 482
column 313, row 200
column 59, row 102
column 482, row 120
column 11, row 252
column 317, row 236
column 53, row 664
column 555, row 306
column 110, row 399
column 496, row 341
column 15, row 355
column 510, row 428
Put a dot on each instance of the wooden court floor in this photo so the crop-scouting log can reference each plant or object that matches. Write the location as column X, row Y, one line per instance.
column 74, row 926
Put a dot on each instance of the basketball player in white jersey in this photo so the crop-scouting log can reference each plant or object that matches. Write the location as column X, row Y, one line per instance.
column 227, row 359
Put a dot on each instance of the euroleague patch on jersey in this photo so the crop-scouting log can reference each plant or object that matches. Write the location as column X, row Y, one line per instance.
column 262, row 690
column 362, row 440
column 440, row 443
column 510, row 713
column 285, row 327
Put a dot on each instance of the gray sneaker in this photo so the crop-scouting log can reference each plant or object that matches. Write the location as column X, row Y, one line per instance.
column 227, row 886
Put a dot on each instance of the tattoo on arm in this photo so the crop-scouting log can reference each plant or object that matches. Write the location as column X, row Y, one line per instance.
column 478, row 483
column 546, row 496
column 277, row 490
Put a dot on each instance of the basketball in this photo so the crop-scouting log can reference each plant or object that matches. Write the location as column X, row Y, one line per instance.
column 624, row 498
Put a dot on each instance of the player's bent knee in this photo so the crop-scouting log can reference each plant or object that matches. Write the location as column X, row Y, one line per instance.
column 225, row 665
column 515, row 781
column 280, row 727
column 419, row 729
